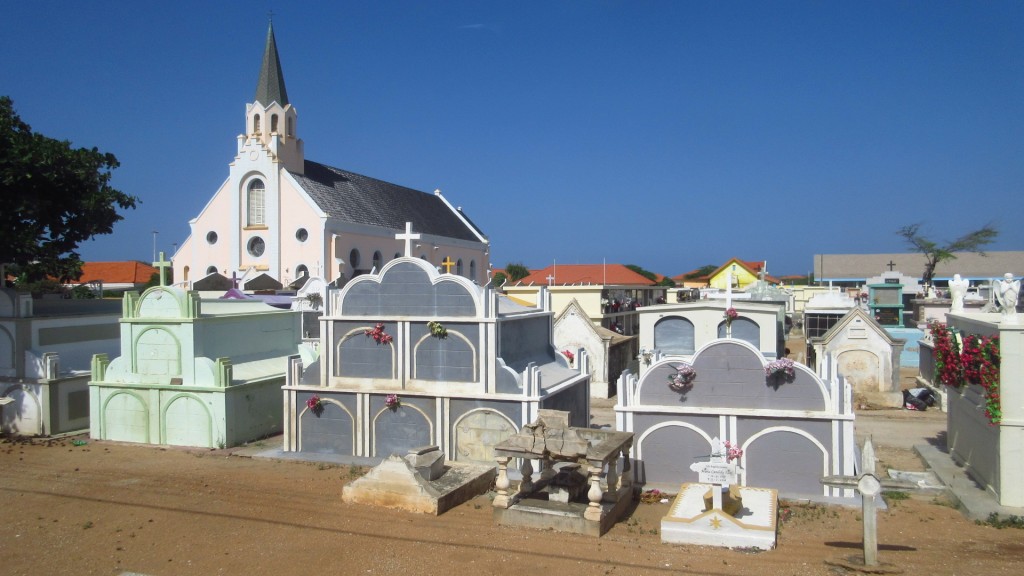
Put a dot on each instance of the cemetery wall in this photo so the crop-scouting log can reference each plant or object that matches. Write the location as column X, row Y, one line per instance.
column 46, row 407
column 971, row 440
column 991, row 453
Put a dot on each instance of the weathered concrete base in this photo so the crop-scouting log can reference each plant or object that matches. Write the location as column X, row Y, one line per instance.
column 754, row 526
column 533, row 512
column 882, row 399
column 396, row 484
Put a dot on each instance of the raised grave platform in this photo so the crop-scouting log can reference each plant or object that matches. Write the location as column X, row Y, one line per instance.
column 690, row 522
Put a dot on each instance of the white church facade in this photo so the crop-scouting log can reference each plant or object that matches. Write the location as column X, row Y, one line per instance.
column 283, row 216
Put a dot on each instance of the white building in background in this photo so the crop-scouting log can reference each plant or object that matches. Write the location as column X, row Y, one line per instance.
column 284, row 216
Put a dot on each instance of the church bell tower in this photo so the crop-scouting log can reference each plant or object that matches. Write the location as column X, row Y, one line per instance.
column 270, row 118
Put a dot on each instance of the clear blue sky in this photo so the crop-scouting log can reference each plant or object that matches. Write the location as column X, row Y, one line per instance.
column 667, row 134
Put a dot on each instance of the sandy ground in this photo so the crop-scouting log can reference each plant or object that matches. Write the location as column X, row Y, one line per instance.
column 110, row 508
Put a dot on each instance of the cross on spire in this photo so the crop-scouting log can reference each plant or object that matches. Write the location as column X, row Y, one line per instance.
column 408, row 237
column 447, row 263
column 163, row 265
column 891, row 265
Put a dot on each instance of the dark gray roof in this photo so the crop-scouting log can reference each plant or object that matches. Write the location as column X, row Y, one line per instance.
column 270, row 86
column 363, row 200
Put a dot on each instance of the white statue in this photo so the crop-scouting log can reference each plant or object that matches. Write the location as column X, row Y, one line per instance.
column 1007, row 291
column 957, row 291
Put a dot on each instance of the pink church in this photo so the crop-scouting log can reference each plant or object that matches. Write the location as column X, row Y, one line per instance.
column 281, row 217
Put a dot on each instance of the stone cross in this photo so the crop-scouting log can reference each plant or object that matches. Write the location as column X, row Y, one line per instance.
column 408, row 237
column 717, row 470
column 447, row 263
column 162, row 265
column 869, row 486
column 551, row 279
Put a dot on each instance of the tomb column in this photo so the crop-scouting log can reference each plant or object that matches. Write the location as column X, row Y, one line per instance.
column 627, row 468
column 547, row 470
column 1011, row 427
column 594, row 511
column 612, row 479
column 502, row 484
column 526, row 486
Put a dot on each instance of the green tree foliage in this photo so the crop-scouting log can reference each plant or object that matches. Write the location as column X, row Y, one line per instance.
column 645, row 273
column 665, row 281
column 55, row 197
column 516, row 271
column 701, row 272
column 936, row 253
column 498, row 279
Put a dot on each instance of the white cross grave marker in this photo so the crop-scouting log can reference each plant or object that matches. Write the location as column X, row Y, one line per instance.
column 869, row 486
column 718, row 471
column 408, row 237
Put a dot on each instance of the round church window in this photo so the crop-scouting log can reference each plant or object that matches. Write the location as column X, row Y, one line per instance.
column 211, row 237
column 256, row 246
column 301, row 234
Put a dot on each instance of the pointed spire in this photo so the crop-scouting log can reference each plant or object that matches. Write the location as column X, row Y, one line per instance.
column 270, row 87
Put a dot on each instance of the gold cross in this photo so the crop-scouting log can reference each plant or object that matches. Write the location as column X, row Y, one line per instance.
column 447, row 264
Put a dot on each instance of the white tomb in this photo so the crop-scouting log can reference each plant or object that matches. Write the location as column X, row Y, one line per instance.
column 733, row 517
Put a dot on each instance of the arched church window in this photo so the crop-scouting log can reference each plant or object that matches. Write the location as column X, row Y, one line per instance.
column 472, row 269
column 353, row 258
column 186, row 274
column 255, row 200
column 256, row 124
column 458, row 267
column 211, row 270
column 256, row 246
column 300, row 271
column 291, row 126
column 377, row 260
column 273, row 123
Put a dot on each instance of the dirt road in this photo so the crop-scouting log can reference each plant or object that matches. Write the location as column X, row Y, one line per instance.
column 108, row 508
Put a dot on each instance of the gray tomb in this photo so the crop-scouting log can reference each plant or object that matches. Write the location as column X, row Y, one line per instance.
column 792, row 430
column 485, row 369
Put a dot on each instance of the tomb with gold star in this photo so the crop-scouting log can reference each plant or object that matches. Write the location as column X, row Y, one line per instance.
column 717, row 511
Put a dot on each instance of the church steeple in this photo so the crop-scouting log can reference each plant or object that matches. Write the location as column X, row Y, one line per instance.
column 270, row 120
column 270, row 86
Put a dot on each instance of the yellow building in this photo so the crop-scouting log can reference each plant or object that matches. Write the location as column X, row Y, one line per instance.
column 743, row 274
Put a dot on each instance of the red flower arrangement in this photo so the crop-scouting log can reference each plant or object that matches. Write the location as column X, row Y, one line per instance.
column 731, row 314
column 315, row 405
column 378, row 334
column 392, row 401
column 568, row 354
column 976, row 362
